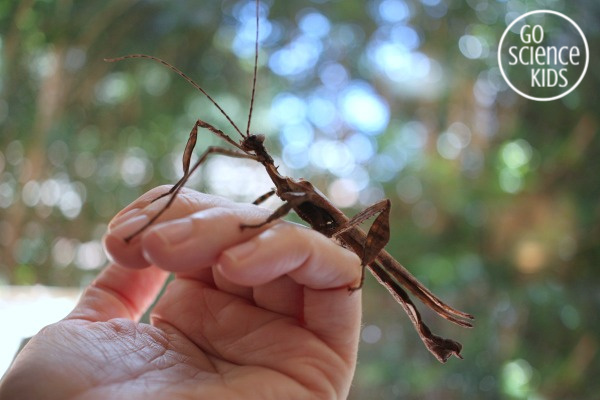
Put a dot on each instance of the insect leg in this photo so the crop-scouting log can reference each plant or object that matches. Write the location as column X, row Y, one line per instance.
column 264, row 197
column 440, row 347
column 377, row 237
column 291, row 199
column 187, row 157
column 182, row 181
column 405, row 278
column 189, row 148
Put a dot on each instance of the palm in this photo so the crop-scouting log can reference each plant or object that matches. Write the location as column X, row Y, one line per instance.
column 205, row 343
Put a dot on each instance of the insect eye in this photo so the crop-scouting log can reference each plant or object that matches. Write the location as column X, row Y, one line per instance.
column 260, row 138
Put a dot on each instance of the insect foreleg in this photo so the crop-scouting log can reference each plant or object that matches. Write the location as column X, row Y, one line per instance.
column 189, row 148
column 186, row 159
column 217, row 132
column 175, row 190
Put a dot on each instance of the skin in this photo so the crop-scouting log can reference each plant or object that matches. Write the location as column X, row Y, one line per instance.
column 250, row 314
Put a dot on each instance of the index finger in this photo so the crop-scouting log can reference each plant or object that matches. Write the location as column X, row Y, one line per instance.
column 138, row 213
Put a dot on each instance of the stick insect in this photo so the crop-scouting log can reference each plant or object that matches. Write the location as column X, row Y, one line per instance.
column 314, row 208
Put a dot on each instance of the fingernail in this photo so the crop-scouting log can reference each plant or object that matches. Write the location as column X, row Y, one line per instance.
column 130, row 226
column 124, row 217
column 241, row 251
column 172, row 233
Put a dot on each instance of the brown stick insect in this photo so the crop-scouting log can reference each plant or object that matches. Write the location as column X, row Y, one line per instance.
column 314, row 208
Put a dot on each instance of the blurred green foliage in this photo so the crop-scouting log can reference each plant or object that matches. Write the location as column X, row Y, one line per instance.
column 495, row 198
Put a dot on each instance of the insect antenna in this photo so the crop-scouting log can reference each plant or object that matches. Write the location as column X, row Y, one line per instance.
column 255, row 71
column 184, row 76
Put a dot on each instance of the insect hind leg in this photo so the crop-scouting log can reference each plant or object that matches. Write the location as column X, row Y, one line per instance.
column 363, row 268
column 377, row 237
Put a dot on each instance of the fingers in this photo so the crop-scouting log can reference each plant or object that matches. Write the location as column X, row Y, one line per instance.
column 227, row 286
column 189, row 244
column 308, row 257
column 119, row 293
column 281, row 267
column 138, row 213
column 186, row 202
column 282, row 295
column 299, row 272
column 230, row 328
column 293, row 271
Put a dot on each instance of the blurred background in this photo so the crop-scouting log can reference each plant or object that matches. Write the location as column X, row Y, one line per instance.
column 495, row 197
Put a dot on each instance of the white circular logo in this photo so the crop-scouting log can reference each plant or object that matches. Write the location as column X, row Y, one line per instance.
column 543, row 55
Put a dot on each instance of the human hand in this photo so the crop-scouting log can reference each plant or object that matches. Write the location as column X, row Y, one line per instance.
column 253, row 314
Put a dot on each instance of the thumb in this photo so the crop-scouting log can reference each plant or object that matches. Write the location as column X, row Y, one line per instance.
column 119, row 293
